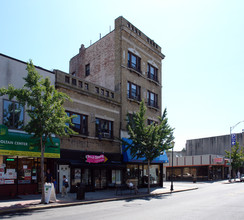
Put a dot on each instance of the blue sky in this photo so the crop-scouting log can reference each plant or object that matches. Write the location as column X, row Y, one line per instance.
column 203, row 71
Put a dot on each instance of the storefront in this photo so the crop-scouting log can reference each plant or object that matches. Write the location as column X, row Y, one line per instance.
column 20, row 162
column 199, row 167
column 95, row 170
column 137, row 169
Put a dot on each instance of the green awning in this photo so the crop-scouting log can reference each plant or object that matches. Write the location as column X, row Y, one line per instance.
column 19, row 144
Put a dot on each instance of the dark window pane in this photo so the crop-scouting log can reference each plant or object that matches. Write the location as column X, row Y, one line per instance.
column 13, row 114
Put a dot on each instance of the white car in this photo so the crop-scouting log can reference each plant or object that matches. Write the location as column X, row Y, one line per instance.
column 242, row 178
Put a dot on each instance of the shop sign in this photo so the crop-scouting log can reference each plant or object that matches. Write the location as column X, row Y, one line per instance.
column 10, row 174
column 9, row 182
column 17, row 144
column 218, row 160
column 96, row 158
column 24, row 181
column 27, row 174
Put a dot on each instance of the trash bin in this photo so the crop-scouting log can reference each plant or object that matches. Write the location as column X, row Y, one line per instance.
column 80, row 191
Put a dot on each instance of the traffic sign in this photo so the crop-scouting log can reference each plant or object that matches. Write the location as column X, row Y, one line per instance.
column 233, row 139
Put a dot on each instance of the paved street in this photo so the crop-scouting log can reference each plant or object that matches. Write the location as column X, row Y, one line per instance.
column 210, row 201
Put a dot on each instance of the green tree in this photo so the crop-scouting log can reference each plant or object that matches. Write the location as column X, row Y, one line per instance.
column 236, row 154
column 148, row 141
column 45, row 109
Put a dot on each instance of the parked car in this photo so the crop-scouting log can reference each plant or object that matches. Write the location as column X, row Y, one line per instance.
column 242, row 178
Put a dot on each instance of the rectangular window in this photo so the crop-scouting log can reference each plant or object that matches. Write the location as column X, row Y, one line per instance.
column 134, row 62
column 102, row 91
column 87, row 69
column 97, row 90
column 80, row 84
column 104, row 128
column 152, row 72
column 13, row 114
column 133, row 91
column 149, row 122
column 152, row 99
column 67, row 79
column 86, row 86
column 80, row 123
column 107, row 93
column 74, row 82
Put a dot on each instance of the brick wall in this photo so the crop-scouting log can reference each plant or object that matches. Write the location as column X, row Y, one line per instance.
column 101, row 58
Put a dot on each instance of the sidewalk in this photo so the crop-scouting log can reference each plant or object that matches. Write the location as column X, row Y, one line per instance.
column 32, row 202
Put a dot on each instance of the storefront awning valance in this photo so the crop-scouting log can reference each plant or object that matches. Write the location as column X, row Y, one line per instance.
column 127, row 157
column 19, row 144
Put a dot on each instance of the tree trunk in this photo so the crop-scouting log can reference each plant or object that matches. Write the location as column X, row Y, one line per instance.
column 148, row 180
column 42, row 171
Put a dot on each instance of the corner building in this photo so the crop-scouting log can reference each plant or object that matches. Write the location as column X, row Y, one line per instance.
column 128, row 63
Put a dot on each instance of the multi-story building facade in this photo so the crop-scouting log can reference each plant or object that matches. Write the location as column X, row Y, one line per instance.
column 92, row 156
column 128, row 63
column 19, row 157
column 107, row 81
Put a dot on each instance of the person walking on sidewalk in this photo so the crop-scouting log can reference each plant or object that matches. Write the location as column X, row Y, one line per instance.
column 65, row 186
column 48, row 177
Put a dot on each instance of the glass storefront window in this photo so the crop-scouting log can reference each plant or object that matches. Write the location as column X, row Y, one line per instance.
column 116, row 176
column 76, row 176
column 86, row 177
column 132, row 171
column 21, row 170
column 154, row 174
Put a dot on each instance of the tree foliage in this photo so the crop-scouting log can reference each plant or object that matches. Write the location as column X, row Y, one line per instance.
column 237, row 156
column 149, row 141
column 44, row 107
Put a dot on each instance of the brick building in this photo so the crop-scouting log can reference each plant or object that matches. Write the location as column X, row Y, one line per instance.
column 128, row 63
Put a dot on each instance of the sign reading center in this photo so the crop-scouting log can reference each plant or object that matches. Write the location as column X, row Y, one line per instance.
column 96, row 158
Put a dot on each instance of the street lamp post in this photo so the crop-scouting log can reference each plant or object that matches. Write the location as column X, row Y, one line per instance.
column 231, row 128
column 172, row 187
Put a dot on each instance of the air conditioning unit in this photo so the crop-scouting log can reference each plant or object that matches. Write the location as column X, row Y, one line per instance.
column 106, row 135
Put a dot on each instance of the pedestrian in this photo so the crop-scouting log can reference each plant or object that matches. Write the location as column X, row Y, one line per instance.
column 49, row 177
column 238, row 174
column 65, row 186
column 132, row 186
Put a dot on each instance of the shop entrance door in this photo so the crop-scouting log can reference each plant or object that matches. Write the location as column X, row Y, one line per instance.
column 64, row 170
column 100, row 178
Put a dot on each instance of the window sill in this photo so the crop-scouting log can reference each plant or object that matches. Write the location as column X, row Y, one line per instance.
column 79, row 135
column 134, row 70
column 134, row 100
column 153, row 81
column 105, row 139
column 152, row 107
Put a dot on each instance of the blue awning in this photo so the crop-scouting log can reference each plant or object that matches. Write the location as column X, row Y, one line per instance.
column 127, row 157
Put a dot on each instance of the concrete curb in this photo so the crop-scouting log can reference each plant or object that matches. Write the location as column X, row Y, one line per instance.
column 58, row 205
